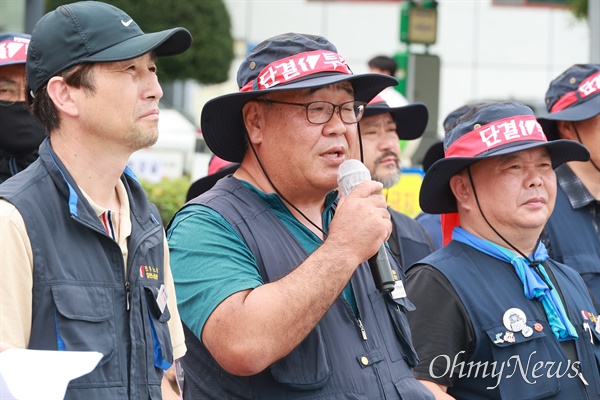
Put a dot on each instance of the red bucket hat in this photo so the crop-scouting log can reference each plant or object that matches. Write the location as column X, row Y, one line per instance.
column 490, row 130
column 290, row 61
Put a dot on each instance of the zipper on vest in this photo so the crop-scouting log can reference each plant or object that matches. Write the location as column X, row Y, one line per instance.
column 362, row 329
column 127, row 293
column 581, row 377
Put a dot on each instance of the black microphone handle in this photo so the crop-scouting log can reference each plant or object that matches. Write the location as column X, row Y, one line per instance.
column 382, row 271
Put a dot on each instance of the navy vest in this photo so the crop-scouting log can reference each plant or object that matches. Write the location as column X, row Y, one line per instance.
column 528, row 367
column 413, row 241
column 574, row 242
column 79, row 289
column 333, row 361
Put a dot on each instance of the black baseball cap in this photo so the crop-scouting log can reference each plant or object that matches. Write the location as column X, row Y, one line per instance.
column 92, row 32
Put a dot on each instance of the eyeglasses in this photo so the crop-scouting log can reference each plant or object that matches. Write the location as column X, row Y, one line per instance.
column 10, row 93
column 321, row 112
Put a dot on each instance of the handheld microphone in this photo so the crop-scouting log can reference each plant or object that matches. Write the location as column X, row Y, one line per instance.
column 350, row 174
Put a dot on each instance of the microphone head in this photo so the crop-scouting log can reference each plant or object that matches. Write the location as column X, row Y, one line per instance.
column 350, row 174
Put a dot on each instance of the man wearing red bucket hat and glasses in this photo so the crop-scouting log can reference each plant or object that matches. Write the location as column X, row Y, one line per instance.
column 495, row 317
column 573, row 231
column 275, row 294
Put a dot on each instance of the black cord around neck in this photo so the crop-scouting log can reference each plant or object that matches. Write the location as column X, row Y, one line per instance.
column 281, row 196
column 579, row 138
column 533, row 264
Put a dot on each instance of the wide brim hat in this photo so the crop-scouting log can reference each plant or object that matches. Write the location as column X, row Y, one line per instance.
column 93, row 32
column 13, row 48
column 411, row 119
column 573, row 96
column 207, row 182
column 291, row 61
column 492, row 130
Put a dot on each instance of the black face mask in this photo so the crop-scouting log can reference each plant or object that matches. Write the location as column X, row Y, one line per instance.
column 20, row 132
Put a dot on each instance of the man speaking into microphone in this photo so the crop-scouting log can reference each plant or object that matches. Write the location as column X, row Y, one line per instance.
column 270, row 266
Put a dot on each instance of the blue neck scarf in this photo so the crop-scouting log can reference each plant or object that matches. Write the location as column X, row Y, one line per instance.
column 533, row 285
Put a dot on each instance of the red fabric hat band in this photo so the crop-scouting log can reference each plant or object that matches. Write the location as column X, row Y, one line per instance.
column 588, row 87
column 497, row 133
column 298, row 66
column 14, row 50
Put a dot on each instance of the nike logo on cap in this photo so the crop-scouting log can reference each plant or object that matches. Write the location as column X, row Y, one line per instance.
column 126, row 23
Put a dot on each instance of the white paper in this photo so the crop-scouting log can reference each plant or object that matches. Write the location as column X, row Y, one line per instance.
column 42, row 374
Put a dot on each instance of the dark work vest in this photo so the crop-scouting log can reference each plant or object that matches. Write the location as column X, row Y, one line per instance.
column 333, row 361
column 79, row 287
column 574, row 242
column 412, row 241
column 489, row 287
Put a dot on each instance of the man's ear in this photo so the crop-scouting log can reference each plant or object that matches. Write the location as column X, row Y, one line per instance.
column 62, row 96
column 461, row 188
column 253, row 114
column 566, row 130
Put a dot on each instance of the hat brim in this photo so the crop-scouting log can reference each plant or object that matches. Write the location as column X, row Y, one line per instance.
column 580, row 112
column 436, row 197
column 434, row 153
column 169, row 42
column 411, row 120
column 222, row 122
column 206, row 183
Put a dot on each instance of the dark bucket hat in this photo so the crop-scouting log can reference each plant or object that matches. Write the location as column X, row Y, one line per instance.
column 490, row 130
column 573, row 96
column 436, row 150
column 290, row 61
column 205, row 183
column 411, row 120
column 13, row 48
column 92, row 32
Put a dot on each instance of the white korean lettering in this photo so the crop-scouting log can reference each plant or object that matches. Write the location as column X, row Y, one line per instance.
column 269, row 78
column 490, row 136
column 589, row 87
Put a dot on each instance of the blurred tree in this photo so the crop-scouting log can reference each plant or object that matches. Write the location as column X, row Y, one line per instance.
column 579, row 8
column 209, row 58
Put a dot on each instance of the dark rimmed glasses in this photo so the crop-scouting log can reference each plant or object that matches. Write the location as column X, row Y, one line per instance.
column 321, row 112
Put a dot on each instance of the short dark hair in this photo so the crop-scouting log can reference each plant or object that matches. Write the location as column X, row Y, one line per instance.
column 384, row 63
column 42, row 106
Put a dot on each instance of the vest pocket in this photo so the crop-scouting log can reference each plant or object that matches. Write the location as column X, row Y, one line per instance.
column 522, row 365
column 307, row 367
column 400, row 345
column 84, row 322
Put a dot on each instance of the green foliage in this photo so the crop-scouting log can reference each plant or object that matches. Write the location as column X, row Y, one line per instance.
column 168, row 195
column 211, row 54
column 579, row 8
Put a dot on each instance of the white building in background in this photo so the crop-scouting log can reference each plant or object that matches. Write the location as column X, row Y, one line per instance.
column 487, row 50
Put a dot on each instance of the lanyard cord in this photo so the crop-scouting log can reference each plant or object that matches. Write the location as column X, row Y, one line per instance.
column 579, row 138
column 533, row 264
column 281, row 196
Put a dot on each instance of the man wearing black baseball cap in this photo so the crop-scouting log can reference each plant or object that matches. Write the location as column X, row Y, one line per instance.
column 573, row 231
column 86, row 266
column 275, row 294
column 381, row 129
column 492, row 298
